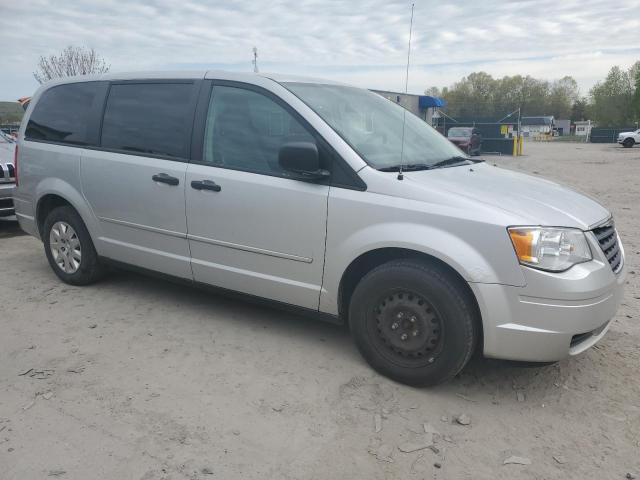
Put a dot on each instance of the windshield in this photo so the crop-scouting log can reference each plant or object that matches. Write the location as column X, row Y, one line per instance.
column 372, row 125
column 459, row 132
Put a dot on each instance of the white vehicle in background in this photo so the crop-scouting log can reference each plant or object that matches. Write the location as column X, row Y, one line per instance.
column 7, row 174
column 629, row 139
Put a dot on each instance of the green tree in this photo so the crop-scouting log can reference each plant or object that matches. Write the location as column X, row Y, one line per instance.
column 612, row 99
column 563, row 94
column 615, row 101
column 533, row 96
column 472, row 96
column 580, row 109
column 433, row 91
column 636, row 96
column 480, row 96
column 10, row 112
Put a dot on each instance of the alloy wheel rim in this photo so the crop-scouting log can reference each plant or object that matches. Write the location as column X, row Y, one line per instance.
column 65, row 247
column 408, row 328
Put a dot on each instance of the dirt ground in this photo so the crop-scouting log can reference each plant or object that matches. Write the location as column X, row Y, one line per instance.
column 137, row 378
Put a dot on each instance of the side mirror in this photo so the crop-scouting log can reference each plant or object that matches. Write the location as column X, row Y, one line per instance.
column 302, row 160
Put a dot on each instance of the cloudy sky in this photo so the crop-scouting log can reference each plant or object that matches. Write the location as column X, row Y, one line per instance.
column 363, row 42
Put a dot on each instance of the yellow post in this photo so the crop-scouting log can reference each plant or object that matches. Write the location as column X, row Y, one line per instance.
column 515, row 145
column 520, row 144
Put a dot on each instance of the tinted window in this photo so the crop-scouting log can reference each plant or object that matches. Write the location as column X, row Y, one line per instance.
column 246, row 129
column 149, row 118
column 62, row 113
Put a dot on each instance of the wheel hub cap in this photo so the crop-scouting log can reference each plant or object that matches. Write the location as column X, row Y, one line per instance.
column 408, row 325
column 65, row 247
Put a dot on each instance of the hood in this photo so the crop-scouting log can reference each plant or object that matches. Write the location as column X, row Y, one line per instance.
column 626, row 134
column 534, row 200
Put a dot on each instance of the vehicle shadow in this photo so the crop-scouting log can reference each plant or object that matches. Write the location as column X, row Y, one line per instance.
column 483, row 377
column 9, row 228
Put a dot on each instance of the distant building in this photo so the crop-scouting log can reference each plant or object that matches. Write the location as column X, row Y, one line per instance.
column 583, row 128
column 563, row 127
column 532, row 126
column 423, row 106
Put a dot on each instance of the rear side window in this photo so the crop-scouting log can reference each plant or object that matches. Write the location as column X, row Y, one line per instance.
column 149, row 118
column 62, row 114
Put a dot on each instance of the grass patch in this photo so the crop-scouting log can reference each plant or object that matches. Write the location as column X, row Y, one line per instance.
column 10, row 112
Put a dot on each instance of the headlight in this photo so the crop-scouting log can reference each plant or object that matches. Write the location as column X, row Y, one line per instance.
column 549, row 248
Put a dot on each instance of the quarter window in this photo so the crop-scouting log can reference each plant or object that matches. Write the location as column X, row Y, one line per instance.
column 149, row 118
column 245, row 130
column 61, row 114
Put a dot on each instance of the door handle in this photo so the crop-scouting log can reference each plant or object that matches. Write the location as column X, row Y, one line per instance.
column 206, row 185
column 164, row 178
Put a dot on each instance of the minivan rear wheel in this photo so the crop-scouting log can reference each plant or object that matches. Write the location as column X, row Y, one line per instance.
column 413, row 322
column 69, row 248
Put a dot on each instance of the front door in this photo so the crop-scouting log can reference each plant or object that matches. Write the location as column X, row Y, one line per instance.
column 250, row 228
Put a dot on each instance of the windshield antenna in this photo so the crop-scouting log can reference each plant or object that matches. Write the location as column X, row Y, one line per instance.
column 406, row 89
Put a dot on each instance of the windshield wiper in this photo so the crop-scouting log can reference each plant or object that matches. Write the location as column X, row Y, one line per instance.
column 448, row 162
column 451, row 162
column 411, row 167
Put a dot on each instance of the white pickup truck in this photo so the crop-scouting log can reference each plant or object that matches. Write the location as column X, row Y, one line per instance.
column 629, row 139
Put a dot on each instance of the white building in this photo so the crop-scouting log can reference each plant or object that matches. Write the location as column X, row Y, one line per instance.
column 583, row 128
column 562, row 127
column 532, row 126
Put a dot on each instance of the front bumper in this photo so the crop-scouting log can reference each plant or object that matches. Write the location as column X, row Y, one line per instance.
column 6, row 200
column 555, row 315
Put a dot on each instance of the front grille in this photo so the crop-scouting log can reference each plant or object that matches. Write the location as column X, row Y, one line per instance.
column 608, row 240
column 7, row 172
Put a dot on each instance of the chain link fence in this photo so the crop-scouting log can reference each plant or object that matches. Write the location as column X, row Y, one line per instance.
column 608, row 135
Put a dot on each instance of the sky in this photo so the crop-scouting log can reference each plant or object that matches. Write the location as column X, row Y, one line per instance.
column 362, row 42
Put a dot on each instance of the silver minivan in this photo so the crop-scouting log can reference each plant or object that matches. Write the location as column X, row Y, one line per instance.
column 320, row 196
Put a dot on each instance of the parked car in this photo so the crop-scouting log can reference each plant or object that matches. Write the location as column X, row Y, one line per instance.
column 629, row 139
column 467, row 139
column 7, row 174
column 290, row 190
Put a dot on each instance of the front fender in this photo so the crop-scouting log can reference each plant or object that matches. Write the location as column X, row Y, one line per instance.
column 477, row 262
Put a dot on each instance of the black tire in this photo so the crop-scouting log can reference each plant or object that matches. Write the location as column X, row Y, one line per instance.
column 442, row 329
column 89, row 270
column 628, row 143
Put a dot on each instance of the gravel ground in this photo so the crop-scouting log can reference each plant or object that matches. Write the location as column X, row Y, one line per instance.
column 137, row 378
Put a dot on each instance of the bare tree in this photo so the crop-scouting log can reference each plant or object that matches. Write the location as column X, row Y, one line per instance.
column 71, row 61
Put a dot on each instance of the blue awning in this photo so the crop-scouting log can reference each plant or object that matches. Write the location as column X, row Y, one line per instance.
column 427, row 101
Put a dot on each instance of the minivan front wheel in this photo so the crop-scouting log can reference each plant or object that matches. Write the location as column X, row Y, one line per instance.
column 69, row 248
column 628, row 142
column 413, row 322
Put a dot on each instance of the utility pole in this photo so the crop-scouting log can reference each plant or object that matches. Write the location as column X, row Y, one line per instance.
column 255, row 60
